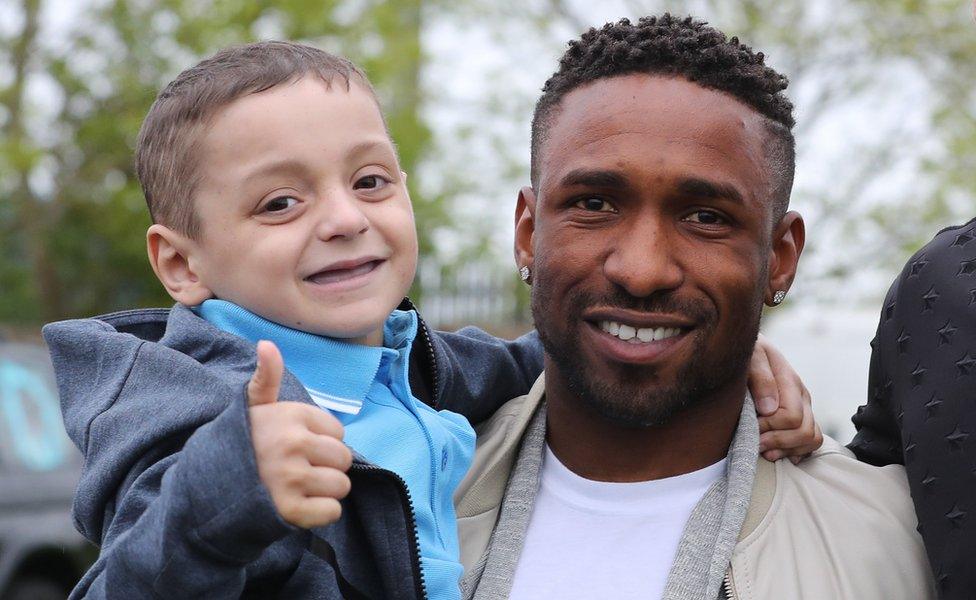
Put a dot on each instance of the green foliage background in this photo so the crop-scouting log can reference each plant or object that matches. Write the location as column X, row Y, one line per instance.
column 72, row 217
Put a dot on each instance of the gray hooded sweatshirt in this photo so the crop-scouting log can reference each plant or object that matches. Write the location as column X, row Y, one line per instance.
column 154, row 399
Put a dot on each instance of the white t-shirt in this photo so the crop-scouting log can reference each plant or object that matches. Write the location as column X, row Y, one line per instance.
column 591, row 539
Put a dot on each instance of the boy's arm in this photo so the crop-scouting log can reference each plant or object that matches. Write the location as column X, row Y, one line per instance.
column 190, row 522
column 171, row 487
column 480, row 372
column 193, row 522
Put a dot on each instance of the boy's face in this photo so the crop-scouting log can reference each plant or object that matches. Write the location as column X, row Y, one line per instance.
column 305, row 215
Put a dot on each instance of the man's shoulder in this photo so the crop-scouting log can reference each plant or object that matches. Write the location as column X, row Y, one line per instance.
column 505, row 428
column 834, row 490
column 497, row 444
column 843, row 524
column 507, row 416
column 833, row 469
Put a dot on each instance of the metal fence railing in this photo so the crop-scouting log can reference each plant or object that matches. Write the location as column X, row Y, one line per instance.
column 474, row 293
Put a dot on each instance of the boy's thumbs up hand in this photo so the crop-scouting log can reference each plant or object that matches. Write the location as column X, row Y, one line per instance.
column 266, row 382
column 300, row 455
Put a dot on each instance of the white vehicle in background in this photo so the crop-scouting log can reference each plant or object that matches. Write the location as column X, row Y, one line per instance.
column 42, row 556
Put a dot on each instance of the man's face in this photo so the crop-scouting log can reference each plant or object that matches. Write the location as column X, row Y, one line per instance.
column 649, row 243
column 305, row 213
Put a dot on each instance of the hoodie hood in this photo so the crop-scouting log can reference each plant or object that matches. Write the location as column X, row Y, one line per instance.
column 178, row 372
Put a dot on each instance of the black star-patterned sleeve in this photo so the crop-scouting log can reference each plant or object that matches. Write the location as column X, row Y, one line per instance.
column 921, row 409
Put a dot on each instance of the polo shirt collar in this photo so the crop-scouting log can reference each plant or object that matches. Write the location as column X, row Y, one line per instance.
column 336, row 374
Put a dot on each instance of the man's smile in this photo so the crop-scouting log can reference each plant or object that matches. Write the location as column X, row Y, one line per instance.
column 636, row 335
column 625, row 343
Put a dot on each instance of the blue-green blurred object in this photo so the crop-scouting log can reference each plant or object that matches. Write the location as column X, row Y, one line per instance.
column 41, row 554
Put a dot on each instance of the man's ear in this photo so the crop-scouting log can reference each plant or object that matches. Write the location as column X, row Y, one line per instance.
column 171, row 256
column 525, row 227
column 787, row 245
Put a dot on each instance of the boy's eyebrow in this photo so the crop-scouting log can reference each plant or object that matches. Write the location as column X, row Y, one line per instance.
column 283, row 164
column 367, row 146
column 300, row 168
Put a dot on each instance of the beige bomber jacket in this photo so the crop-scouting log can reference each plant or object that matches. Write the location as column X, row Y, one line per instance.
column 830, row 528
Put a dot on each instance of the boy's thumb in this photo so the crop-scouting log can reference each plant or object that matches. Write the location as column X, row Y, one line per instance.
column 266, row 381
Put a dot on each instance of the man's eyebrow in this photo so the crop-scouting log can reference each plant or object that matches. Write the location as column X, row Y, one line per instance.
column 712, row 190
column 595, row 178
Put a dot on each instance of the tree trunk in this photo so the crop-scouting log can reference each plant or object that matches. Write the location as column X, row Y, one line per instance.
column 30, row 213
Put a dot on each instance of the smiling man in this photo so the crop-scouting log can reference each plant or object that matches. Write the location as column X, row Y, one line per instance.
column 655, row 229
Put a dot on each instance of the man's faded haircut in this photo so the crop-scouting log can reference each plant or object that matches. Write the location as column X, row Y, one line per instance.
column 167, row 161
column 678, row 47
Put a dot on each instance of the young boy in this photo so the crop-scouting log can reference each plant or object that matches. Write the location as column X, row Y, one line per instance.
column 280, row 213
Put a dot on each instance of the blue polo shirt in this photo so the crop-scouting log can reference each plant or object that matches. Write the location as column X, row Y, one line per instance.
column 367, row 388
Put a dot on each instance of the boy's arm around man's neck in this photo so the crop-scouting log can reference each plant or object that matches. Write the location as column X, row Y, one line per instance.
column 478, row 373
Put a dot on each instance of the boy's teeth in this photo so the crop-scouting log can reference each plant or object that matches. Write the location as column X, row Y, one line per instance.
column 641, row 335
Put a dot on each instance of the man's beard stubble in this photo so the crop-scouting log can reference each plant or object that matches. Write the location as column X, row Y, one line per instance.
column 617, row 400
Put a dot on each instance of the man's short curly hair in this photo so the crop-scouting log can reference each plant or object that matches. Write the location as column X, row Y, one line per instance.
column 677, row 47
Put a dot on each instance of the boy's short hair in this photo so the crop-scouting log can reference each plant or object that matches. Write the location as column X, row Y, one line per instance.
column 166, row 161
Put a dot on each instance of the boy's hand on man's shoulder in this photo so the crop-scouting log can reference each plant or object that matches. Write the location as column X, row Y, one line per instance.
column 786, row 424
column 301, row 458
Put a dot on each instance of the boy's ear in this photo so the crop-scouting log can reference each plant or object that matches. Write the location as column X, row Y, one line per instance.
column 525, row 227
column 171, row 256
column 787, row 245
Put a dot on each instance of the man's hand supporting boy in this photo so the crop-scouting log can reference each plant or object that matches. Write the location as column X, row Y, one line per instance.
column 300, row 455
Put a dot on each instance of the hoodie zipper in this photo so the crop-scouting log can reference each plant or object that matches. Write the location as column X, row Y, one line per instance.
column 407, row 503
column 430, row 442
column 431, row 361
column 423, row 331
column 728, row 591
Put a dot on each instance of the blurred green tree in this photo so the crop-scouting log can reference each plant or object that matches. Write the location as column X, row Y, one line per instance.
column 886, row 120
column 906, row 66
column 72, row 218
column 72, row 98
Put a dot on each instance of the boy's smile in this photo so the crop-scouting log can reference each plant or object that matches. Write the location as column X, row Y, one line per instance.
column 305, row 215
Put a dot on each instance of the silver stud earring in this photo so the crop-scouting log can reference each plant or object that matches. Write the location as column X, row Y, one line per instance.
column 525, row 273
column 778, row 297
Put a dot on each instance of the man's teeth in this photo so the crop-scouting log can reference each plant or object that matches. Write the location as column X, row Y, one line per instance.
column 633, row 334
